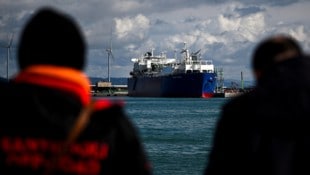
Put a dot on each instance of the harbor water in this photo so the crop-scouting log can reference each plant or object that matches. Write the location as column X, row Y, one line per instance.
column 177, row 132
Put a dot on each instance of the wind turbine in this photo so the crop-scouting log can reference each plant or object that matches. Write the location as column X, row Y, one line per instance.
column 110, row 54
column 8, row 46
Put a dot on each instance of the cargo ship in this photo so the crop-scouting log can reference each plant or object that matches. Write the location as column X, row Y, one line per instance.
column 159, row 76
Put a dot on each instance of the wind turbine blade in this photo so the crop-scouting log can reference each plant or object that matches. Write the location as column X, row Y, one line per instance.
column 10, row 38
column 112, row 55
column 111, row 35
column 197, row 52
column 10, row 41
column 111, row 44
column 3, row 46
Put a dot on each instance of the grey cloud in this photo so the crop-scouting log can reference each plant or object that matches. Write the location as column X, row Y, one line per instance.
column 249, row 10
column 225, row 30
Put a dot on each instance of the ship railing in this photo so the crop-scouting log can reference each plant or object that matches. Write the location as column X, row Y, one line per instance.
column 199, row 62
column 200, row 68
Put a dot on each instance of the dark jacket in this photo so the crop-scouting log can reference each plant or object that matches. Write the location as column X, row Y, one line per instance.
column 36, row 117
column 266, row 131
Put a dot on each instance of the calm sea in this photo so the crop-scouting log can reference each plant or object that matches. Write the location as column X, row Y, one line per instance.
column 176, row 132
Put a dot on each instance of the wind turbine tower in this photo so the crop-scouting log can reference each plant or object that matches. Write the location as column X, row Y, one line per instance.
column 110, row 54
column 8, row 47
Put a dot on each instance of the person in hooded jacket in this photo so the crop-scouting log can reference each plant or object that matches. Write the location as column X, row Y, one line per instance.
column 43, row 101
column 266, row 131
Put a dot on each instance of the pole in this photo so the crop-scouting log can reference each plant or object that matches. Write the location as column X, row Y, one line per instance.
column 108, row 66
column 7, row 64
column 8, row 56
column 241, row 80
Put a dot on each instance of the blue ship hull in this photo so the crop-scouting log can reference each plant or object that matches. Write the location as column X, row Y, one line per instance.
column 200, row 85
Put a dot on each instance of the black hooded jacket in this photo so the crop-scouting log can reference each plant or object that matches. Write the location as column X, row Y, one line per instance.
column 266, row 131
column 36, row 116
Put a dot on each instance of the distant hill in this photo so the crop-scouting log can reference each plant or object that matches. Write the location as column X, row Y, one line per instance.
column 237, row 83
column 2, row 79
column 123, row 81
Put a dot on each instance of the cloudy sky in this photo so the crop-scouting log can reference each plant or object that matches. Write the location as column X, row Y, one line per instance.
column 225, row 31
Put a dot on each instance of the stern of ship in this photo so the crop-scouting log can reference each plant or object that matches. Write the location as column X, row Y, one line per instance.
column 209, row 85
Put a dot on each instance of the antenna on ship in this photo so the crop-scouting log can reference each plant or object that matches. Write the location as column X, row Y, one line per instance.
column 110, row 54
column 175, row 54
column 184, row 48
column 8, row 46
column 186, row 51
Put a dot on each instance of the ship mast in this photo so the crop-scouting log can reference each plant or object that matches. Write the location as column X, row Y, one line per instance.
column 186, row 51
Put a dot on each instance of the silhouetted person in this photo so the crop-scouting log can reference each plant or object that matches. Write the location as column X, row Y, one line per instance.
column 266, row 131
column 43, row 101
column 273, row 50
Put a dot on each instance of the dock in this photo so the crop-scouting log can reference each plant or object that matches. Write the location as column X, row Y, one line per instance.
column 227, row 94
column 103, row 88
